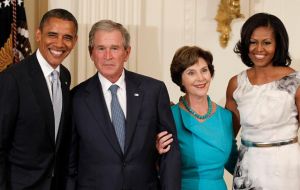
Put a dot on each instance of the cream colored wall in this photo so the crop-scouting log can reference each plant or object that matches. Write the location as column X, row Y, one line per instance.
column 159, row 27
column 34, row 11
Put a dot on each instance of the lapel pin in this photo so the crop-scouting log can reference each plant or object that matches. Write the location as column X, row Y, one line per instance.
column 66, row 83
column 136, row 94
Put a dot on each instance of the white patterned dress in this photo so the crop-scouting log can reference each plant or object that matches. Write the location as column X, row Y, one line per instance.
column 268, row 114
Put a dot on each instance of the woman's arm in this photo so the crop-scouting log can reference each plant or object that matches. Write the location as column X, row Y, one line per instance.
column 297, row 100
column 231, row 104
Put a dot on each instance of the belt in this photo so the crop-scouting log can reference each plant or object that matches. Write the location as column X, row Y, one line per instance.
column 269, row 144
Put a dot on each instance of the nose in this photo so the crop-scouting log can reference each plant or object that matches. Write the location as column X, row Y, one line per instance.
column 200, row 76
column 259, row 47
column 108, row 54
column 59, row 42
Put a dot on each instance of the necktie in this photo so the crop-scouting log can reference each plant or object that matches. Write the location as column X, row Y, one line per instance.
column 117, row 116
column 56, row 99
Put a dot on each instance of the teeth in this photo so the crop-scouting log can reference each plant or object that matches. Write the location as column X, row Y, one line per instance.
column 55, row 52
column 259, row 56
column 200, row 85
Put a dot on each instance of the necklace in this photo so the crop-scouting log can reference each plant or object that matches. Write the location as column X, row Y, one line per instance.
column 205, row 116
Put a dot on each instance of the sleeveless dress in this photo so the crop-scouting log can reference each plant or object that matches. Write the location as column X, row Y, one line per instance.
column 268, row 113
column 205, row 147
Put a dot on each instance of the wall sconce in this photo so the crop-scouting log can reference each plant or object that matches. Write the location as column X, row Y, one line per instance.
column 228, row 10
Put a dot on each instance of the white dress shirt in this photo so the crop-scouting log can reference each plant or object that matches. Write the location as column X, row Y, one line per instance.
column 47, row 70
column 121, row 93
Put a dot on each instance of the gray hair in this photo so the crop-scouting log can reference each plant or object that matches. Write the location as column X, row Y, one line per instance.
column 109, row 25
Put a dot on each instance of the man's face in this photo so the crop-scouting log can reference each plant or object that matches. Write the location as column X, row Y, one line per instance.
column 56, row 40
column 109, row 54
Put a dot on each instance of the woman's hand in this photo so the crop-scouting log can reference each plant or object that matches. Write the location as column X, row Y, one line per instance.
column 163, row 141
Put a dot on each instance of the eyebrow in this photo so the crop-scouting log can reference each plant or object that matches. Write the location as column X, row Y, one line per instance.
column 69, row 36
column 65, row 35
column 111, row 46
column 53, row 33
column 262, row 39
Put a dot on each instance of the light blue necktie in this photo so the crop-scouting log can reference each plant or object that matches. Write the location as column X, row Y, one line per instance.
column 117, row 116
column 56, row 99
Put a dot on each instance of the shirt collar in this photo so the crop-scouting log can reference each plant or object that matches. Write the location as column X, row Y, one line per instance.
column 105, row 83
column 46, row 67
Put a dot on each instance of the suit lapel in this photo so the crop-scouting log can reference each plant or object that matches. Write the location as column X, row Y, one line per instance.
column 41, row 92
column 134, row 102
column 96, row 103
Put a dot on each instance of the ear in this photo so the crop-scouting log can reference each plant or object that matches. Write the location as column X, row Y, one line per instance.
column 91, row 53
column 90, row 50
column 38, row 35
column 127, row 52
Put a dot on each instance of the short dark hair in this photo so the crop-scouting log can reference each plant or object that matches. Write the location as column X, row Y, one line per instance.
column 185, row 57
column 281, row 56
column 58, row 13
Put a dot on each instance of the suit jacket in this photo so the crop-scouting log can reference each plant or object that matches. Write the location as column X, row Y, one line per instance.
column 29, row 155
column 97, row 161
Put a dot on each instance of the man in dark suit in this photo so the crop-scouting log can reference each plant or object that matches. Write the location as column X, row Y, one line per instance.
column 33, row 134
column 104, row 155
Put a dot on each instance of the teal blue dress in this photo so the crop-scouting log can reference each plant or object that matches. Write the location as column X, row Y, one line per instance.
column 206, row 148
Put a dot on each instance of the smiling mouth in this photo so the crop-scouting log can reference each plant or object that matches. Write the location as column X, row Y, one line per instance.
column 56, row 53
column 200, row 85
column 259, row 56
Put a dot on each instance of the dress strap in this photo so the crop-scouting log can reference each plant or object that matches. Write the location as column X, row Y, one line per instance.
column 242, row 78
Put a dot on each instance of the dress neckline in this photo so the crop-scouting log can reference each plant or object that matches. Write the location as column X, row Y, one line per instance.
column 207, row 119
column 267, row 83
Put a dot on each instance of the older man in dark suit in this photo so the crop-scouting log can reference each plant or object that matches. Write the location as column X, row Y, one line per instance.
column 116, row 116
column 34, row 99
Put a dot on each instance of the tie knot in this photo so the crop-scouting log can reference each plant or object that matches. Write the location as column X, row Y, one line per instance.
column 113, row 88
column 54, row 75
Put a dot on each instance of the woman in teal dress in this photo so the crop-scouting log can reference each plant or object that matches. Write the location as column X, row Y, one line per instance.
column 204, row 129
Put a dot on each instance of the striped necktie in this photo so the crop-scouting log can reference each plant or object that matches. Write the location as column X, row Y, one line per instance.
column 117, row 115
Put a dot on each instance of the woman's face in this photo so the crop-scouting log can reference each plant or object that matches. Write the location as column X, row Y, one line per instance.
column 262, row 46
column 196, row 78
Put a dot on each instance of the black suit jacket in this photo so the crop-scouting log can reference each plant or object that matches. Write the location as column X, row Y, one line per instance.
column 29, row 156
column 97, row 161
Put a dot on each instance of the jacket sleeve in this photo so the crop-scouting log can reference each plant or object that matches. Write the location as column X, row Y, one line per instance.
column 73, row 155
column 170, row 165
column 8, row 117
column 231, row 162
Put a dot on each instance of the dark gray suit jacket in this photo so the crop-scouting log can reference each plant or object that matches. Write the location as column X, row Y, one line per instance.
column 97, row 161
column 28, row 152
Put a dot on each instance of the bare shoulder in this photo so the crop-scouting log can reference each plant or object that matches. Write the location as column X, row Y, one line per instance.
column 232, row 84
column 289, row 69
column 285, row 71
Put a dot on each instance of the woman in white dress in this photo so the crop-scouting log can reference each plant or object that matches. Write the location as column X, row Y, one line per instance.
column 265, row 100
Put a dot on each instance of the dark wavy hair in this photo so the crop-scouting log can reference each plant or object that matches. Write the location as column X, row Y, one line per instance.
column 185, row 57
column 281, row 56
